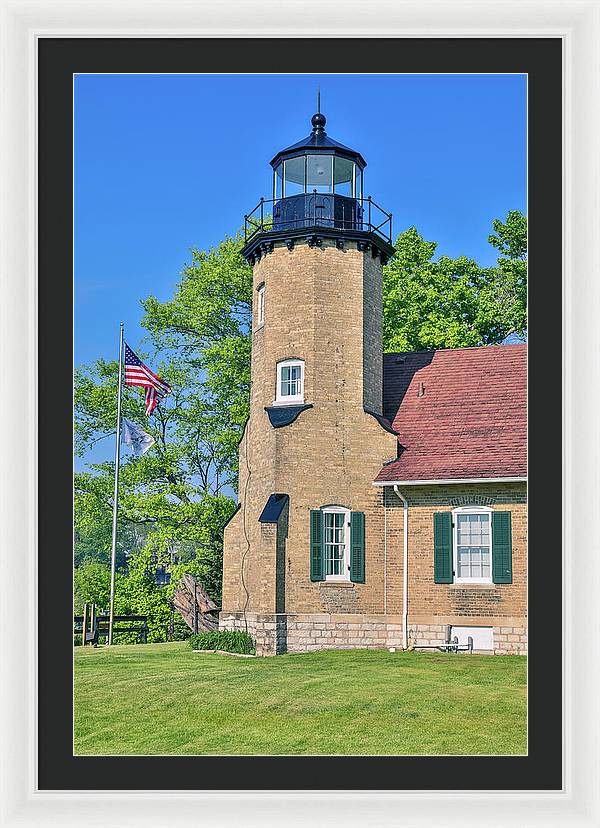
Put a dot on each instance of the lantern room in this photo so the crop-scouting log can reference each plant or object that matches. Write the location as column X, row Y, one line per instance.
column 317, row 186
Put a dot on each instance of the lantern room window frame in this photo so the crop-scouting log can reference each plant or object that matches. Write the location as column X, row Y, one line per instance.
column 279, row 176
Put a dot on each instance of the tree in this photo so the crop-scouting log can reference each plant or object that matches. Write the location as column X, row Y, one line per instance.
column 510, row 236
column 454, row 303
column 207, row 324
column 175, row 499
column 92, row 585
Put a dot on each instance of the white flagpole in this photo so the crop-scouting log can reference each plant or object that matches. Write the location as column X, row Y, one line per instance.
column 113, row 557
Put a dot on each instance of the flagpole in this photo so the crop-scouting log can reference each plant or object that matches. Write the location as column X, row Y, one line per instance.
column 113, row 557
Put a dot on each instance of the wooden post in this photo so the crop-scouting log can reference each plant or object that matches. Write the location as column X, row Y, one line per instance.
column 84, row 624
column 94, row 623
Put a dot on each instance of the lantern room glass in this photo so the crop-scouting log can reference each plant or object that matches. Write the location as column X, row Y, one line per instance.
column 278, row 182
column 323, row 173
column 343, row 176
column 319, row 173
column 294, row 176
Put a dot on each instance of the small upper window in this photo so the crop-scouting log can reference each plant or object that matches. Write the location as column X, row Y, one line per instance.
column 290, row 382
column 260, row 309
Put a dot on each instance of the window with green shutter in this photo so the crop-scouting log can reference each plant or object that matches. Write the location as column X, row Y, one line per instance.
column 337, row 545
column 442, row 548
column 357, row 547
column 472, row 544
column 316, row 545
column 501, row 548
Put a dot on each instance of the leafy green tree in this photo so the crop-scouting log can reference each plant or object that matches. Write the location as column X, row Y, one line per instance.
column 172, row 501
column 175, row 499
column 207, row 324
column 92, row 585
column 455, row 303
column 510, row 236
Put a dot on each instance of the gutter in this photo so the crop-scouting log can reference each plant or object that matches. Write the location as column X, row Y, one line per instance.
column 449, row 480
column 404, row 569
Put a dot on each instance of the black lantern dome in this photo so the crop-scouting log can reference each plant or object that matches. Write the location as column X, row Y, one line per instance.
column 317, row 186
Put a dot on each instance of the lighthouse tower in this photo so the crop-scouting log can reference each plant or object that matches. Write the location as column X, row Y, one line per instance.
column 303, row 548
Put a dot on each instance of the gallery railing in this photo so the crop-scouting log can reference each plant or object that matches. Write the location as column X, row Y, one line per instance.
column 327, row 210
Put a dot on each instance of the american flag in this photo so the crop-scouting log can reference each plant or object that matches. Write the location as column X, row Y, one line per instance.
column 136, row 373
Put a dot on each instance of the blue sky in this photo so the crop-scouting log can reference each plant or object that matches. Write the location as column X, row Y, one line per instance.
column 164, row 163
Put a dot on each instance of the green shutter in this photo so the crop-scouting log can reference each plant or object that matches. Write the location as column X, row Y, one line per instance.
column 442, row 548
column 316, row 545
column 357, row 547
column 501, row 548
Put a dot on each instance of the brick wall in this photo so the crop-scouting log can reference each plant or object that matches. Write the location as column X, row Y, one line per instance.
column 479, row 605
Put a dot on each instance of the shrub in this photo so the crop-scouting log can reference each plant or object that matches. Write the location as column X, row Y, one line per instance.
column 232, row 641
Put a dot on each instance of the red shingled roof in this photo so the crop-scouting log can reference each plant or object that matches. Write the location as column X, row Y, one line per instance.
column 459, row 414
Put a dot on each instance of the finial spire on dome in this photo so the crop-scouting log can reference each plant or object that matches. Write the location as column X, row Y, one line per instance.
column 318, row 120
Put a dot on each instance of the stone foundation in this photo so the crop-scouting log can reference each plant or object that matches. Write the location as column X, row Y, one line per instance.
column 276, row 633
column 510, row 640
column 307, row 632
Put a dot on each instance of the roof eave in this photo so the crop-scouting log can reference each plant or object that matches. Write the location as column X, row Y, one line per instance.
column 449, row 480
column 307, row 149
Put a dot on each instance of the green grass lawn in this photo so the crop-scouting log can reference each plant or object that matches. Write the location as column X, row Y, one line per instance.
column 165, row 699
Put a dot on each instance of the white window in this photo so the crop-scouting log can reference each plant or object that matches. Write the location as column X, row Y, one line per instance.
column 336, row 543
column 290, row 382
column 260, row 306
column 472, row 544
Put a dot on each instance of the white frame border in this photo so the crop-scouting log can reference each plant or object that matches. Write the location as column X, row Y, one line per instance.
column 577, row 22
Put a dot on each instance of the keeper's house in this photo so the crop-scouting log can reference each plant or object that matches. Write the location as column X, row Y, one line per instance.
column 382, row 497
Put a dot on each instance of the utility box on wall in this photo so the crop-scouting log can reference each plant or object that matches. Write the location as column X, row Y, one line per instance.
column 483, row 637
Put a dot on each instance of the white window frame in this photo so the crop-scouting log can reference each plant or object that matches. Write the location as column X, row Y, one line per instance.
column 469, row 510
column 260, row 306
column 338, row 510
column 289, row 399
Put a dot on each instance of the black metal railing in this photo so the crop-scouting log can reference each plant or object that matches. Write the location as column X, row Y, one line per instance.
column 327, row 210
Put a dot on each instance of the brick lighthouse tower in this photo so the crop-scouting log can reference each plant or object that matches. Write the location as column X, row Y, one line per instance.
column 303, row 548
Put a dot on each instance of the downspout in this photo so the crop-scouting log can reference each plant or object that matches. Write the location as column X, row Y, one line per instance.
column 404, row 569
column 384, row 555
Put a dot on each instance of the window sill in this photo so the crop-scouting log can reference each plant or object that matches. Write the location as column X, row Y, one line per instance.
column 283, row 403
column 472, row 585
column 332, row 583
